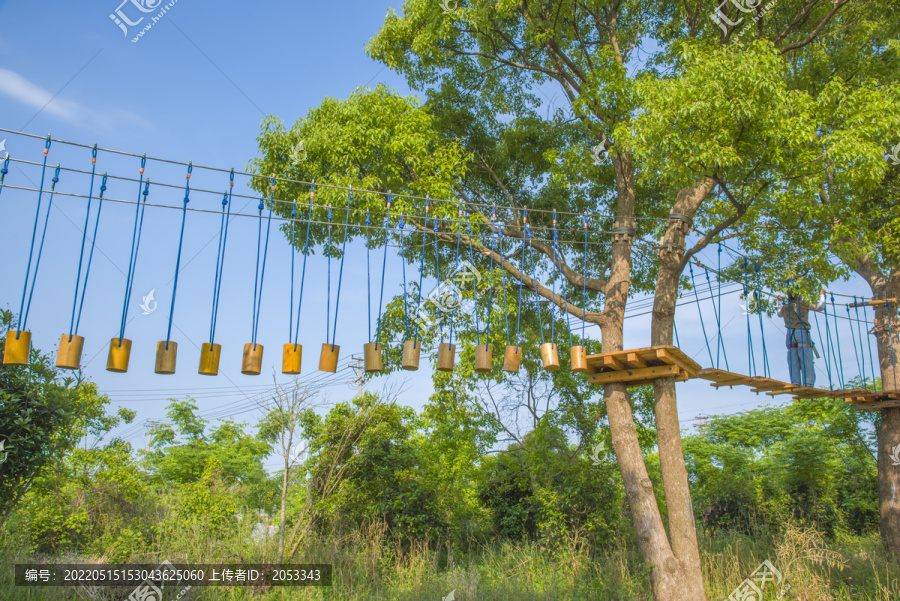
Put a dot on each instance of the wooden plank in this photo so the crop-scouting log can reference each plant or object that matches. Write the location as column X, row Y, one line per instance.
column 635, row 375
column 613, row 363
column 635, row 360
column 674, row 356
column 771, row 385
column 720, row 375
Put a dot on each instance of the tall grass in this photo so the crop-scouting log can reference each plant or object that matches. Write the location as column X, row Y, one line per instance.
column 370, row 565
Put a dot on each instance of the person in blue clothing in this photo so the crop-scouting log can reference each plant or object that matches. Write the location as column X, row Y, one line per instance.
column 800, row 347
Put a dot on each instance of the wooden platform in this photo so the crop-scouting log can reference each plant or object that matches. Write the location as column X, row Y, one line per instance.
column 640, row 367
column 863, row 399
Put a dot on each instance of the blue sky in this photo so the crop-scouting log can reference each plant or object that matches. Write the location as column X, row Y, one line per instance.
column 196, row 87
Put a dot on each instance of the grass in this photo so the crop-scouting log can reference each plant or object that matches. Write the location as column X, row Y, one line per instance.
column 371, row 566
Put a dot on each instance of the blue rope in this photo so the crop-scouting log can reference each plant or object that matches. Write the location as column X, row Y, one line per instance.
column 387, row 223
column 890, row 318
column 767, row 371
column 837, row 343
column 871, row 362
column 260, row 208
column 752, row 362
column 4, row 171
column 437, row 263
column 699, row 310
column 87, row 216
column 675, row 326
column 534, row 278
column 490, row 309
column 87, row 271
column 557, row 253
column 135, row 244
column 293, row 269
column 720, row 343
column 37, row 214
column 584, row 284
column 262, row 275
column 220, row 259
column 187, row 192
column 402, row 224
column 312, row 190
column 369, row 276
column 337, row 300
column 862, row 350
column 328, row 289
column 861, row 370
column 502, row 272
column 522, row 285
column 37, row 263
column 422, row 268
column 455, row 267
column 474, row 285
column 827, row 361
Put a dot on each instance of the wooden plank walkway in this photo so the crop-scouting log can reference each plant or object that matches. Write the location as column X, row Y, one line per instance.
column 640, row 367
column 863, row 399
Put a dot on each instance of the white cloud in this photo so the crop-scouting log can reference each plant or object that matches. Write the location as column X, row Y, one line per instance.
column 17, row 87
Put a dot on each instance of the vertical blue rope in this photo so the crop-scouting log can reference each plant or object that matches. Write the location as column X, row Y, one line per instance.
column 422, row 268
column 474, row 285
column 328, row 289
column 677, row 342
column 437, row 263
column 700, row 311
column 562, row 285
column 871, row 361
column 293, row 268
column 767, row 371
column 862, row 350
column 220, row 259
column 837, row 343
column 87, row 271
column 890, row 318
column 401, row 224
column 87, row 217
column 537, row 301
column 135, row 244
column 584, row 286
column 859, row 368
column 37, row 263
column 827, row 360
column 455, row 267
column 337, row 300
column 521, row 285
column 490, row 305
column 37, row 214
column 260, row 207
column 262, row 276
column 4, row 171
column 752, row 362
column 720, row 343
column 187, row 191
column 369, row 277
column 312, row 189
column 387, row 223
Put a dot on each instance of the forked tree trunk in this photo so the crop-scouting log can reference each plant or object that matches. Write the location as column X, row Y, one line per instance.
column 669, row 579
column 889, row 431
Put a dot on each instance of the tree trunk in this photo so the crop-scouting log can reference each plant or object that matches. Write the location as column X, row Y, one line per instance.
column 889, row 430
column 282, row 513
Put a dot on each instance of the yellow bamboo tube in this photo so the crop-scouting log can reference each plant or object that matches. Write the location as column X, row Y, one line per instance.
column 16, row 350
column 119, row 354
column 291, row 359
column 251, row 365
column 69, row 355
column 372, row 356
column 209, row 359
column 166, row 353
column 329, row 358
column 483, row 357
column 411, row 351
column 578, row 358
column 446, row 356
column 511, row 359
column 550, row 356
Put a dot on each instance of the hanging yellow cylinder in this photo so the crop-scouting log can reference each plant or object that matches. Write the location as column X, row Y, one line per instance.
column 328, row 360
column 578, row 359
column 291, row 358
column 411, row 351
column 511, row 359
column 446, row 356
column 119, row 354
column 550, row 356
column 166, row 352
column 372, row 356
column 209, row 359
column 483, row 358
column 70, row 348
column 251, row 365
column 17, row 348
